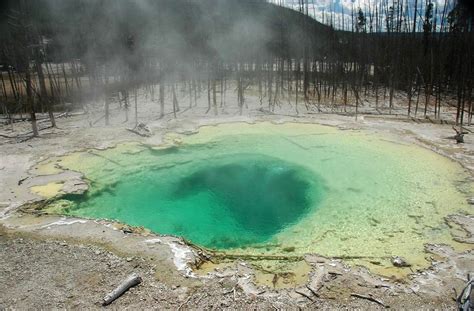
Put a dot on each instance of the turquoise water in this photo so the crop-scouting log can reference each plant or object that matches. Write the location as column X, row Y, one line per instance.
column 223, row 202
column 267, row 188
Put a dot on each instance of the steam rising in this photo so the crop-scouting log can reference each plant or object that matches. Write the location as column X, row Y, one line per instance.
column 171, row 36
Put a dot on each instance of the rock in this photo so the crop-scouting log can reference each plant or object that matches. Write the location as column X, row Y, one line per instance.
column 127, row 229
column 470, row 201
column 75, row 186
column 289, row 249
column 400, row 262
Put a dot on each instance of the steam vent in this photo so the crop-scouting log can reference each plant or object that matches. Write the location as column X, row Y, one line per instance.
column 227, row 154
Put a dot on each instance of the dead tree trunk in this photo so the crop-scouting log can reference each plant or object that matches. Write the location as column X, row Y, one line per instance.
column 214, row 99
column 136, row 106
column 208, row 95
column 162, row 99
column 175, row 100
column 43, row 92
column 107, row 112
column 30, row 102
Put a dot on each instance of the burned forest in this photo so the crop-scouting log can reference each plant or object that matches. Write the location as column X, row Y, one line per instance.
column 57, row 56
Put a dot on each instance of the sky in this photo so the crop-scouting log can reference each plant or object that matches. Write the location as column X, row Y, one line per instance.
column 321, row 9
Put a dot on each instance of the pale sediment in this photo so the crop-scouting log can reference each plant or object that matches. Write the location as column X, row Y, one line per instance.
column 447, row 264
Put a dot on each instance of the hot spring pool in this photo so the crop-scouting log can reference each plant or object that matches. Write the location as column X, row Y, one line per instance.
column 277, row 189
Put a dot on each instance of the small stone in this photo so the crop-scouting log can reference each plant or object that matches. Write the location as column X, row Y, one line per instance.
column 470, row 201
column 97, row 252
column 127, row 229
column 129, row 259
column 400, row 262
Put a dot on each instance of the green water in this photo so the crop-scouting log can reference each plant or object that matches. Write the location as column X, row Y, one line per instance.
column 235, row 200
column 266, row 188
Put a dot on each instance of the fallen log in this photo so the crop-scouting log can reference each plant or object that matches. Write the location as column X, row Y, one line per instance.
column 304, row 294
column 312, row 290
column 24, row 136
column 39, row 119
column 142, row 130
column 131, row 281
column 223, row 256
column 464, row 300
column 370, row 299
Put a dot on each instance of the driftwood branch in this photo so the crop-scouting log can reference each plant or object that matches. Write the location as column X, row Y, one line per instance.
column 369, row 298
column 142, row 130
column 464, row 299
column 131, row 281
column 24, row 136
column 312, row 290
column 184, row 303
column 221, row 256
column 304, row 294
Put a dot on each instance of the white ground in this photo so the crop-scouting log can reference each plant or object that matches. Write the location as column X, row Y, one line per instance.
column 333, row 282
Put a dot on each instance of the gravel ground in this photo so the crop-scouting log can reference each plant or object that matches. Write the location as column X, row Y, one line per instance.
column 52, row 274
column 49, row 274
